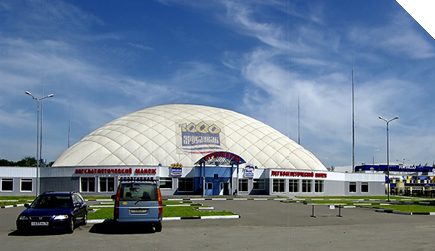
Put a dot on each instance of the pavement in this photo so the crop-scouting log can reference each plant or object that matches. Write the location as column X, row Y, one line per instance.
column 263, row 225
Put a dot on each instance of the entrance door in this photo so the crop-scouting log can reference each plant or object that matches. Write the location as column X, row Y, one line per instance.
column 208, row 188
column 224, row 188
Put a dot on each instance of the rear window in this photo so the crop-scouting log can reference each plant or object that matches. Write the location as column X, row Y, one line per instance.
column 138, row 192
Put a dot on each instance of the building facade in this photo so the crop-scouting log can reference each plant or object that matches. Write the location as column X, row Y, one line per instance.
column 190, row 150
column 199, row 181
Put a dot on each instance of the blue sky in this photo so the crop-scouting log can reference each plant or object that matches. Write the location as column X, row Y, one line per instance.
column 105, row 59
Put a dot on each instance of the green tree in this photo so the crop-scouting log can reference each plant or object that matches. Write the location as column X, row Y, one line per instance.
column 4, row 162
column 26, row 161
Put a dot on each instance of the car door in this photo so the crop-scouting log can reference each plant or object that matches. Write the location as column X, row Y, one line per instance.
column 79, row 209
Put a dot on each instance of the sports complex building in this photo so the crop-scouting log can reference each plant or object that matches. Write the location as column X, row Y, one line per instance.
column 190, row 150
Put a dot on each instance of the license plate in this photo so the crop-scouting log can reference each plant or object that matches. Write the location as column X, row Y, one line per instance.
column 39, row 223
column 138, row 211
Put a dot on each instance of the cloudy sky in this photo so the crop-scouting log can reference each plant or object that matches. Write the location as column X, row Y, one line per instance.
column 105, row 59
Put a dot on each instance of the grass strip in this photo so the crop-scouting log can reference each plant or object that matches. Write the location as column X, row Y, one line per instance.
column 384, row 198
column 107, row 213
column 407, row 208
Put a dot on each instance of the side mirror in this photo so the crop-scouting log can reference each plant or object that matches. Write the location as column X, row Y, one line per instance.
column 113, row 197
column 27, row 205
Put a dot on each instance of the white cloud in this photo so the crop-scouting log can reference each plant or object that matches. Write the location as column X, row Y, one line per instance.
column 403, row 36
column 91, row 71
column 142, row 47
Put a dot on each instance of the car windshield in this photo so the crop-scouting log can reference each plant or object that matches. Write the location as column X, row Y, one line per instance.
column 52, row 201
column 138, row 191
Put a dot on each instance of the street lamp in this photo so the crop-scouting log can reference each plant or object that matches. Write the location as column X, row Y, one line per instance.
column 403, row 161
column 374, row 155
column 38, row 136
column 388, row 155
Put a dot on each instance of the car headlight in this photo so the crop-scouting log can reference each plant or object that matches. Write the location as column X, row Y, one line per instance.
column 60, row 217
column 23, row 217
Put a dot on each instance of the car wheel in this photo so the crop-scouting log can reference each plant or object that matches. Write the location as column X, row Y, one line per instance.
column 70, row 228
column 85, row 220
column 158, row 227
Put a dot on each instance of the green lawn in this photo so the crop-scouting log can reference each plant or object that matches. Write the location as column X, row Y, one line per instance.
column 190, row 212
column 363, row 198
column 169, row 211
column 407, row 208
column 395, row 204
column 13, row 200
column 187, row 211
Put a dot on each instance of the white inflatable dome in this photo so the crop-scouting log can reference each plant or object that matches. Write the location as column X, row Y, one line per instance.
column 169, row 134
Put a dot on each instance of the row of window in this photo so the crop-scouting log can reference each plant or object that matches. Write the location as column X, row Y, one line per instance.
column 306, row 186
column 364, row 187
column 107, row 184
column 258, row 184
column 7, row 185
column 293, row 186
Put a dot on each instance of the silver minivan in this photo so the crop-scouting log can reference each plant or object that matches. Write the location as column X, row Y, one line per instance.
column 138, row 201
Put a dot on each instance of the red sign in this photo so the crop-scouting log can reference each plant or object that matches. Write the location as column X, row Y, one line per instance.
column 146, row 171
column 298, row 174
column 227, row 155
column 115, row 171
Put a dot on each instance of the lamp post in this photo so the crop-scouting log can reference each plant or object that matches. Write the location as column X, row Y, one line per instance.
column 38, row 136
column 374, row 155
column 403, row 161
column 388, row 155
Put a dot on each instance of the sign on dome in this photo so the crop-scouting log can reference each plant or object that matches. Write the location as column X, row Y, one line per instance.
column 199, row 137
column 176, row 169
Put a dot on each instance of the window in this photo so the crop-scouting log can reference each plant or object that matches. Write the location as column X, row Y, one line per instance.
column 107, row 184
column 185, row 184
column 319, row 186
column 243, row 185
column 306, row 186
column 26, row 185
column 7, row 185
column 166, row 183
column 364, row 187
column 209, row 186
column 278, row 186
column 293, row 186
column 258, row 184
column 132, row 191
column 352, row 187
column 87, row 184
column 77, row 199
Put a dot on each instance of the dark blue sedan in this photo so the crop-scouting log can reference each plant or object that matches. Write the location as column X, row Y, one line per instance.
column 54, row 210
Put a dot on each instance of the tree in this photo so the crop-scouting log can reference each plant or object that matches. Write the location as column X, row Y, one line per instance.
column 4, row 162
column 26, row 161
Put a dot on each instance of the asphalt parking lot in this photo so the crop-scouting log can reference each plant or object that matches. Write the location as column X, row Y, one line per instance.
column 264, row 225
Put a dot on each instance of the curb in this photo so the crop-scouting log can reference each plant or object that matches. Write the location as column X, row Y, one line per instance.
column 199, row 198
column 224, row 199
column 10, row 206
column 404, row 213
column 216, row 217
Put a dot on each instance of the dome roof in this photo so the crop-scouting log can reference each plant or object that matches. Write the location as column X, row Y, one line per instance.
column 169, row 134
